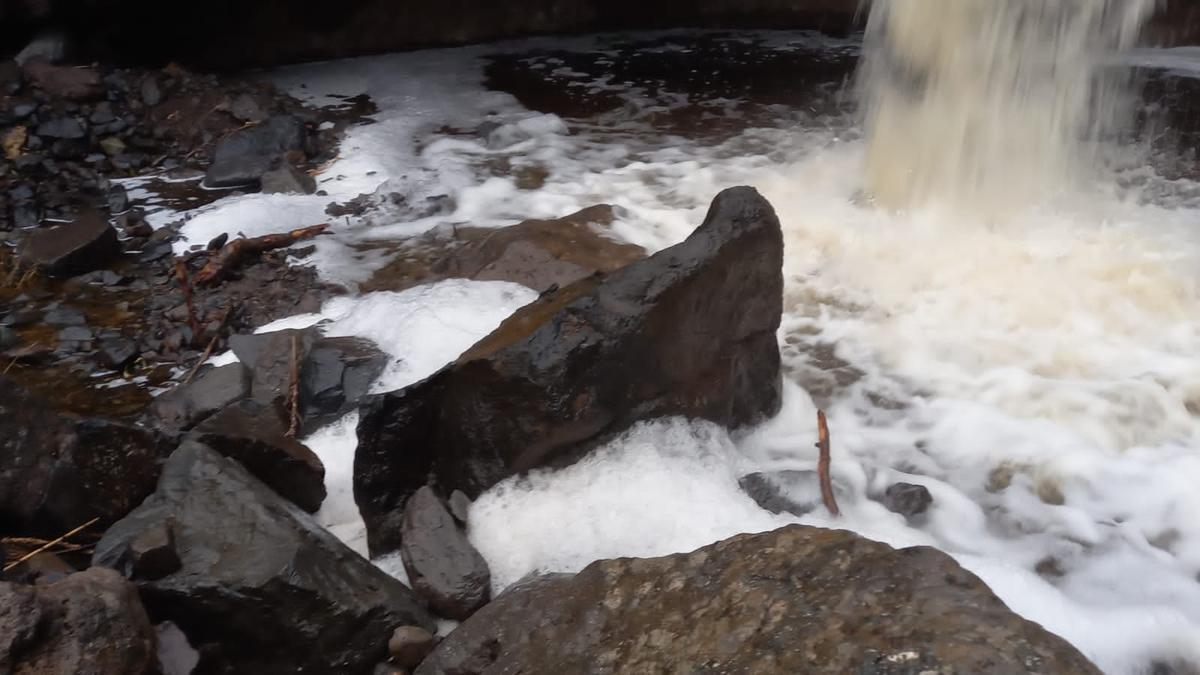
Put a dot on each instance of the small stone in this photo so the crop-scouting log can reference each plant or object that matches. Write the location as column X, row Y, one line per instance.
column 65, row 316
column 118, row 352
column 152, row 554
column 75, row 334
column 151, row 94
column 62, row 127
column 410, row 645
column 246, row 109
column 907, row 499
column 112, row 146
column 217, row 242
column 118, row 199
column 460, row 506
column 287, row 179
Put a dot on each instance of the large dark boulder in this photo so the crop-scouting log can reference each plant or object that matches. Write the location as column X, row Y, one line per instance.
column 257, row 583
column 797, row 600
column 59, row 471
column 689, row 331
column 442, row 565
column 85, row 244
column 89, row 623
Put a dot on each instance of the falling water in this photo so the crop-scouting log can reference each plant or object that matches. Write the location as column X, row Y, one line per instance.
column 991, row 103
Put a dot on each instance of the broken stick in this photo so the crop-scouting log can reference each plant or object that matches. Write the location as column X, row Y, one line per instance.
column 51, row 544
column 823, row 462
column 235, row 252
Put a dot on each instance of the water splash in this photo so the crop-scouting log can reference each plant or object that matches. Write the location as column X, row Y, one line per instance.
column 986, row 104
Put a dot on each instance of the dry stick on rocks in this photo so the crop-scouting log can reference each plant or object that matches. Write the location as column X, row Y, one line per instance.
column 823, row 465
column 211, row 345
column 51, row 544
column 185, row 283
column 294, row 390
column 232, row 254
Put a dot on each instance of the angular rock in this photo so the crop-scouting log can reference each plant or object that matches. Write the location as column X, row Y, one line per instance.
column 410, row 645
column 258, row 576
column 61, row 127
column 89, row 623
column 80, row 246
column 118, row 352
column 287, row 179
column 188, row 404
column 907, row 499
column 689, row 331
column 255, row 436
column 58, row 471
column 269, row 358
column 336, row 376
column 797, row 600
column 244, row 156
column 443, row 566
column 460, row 506
column 540, row 254
column 78, row 84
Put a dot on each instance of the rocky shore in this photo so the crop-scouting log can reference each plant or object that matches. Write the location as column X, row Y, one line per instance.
column 168, row 525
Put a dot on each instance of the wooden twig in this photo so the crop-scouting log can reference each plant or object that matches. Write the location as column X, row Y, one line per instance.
column 211, row 345
column 51, row 544
column 9, row 366
column 823, row 463
column 235, row 252
column 185, row 282
column 294, row 390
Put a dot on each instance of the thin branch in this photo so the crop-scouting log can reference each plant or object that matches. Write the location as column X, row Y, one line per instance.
column 185, row 283
column 211, row 345
column 823, row 463
column 294, row 390
column 51, row 544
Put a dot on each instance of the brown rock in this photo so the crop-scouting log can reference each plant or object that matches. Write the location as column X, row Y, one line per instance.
column 85, row 244
column 443, row 566
column 689, row 331
column 79, row 84
column 797, row 600
column 410, row 645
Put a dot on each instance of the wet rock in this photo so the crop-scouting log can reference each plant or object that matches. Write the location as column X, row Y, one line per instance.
column 75, row 334
column 255, row 436
column 118, row 199
column 689, row 331
column 269, row 358
column 259, row 576
column 188, row 404
column 62, row 127
column 244, row 156
column 77, row 84
column 58, row 472
column 287, row 179
column 443, row 566
column 65, row 316
column 336, row 376
column 89, row 623
column 907, row 499
column 794, row 492
column 460, row 506
column 410, row 645
column 797, row 600
column 118, row 352
column 540, row 254
column 85, row 244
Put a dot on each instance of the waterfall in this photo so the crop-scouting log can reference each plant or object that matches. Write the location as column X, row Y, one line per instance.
column 987, row 104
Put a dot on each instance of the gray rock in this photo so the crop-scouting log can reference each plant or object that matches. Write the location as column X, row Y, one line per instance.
column 794, row 492
column 244, row 156
column 336, row 376
column 460, row 506
column 797, row 600
column 89, row 623
column 278, row 592
column 442, row 565
column 8, row 338
column 907, row 499
column 287, row 179
column 690, row 331
column 65, row 316
column 85, row 244
column 186, row 405
column 269, row 358
column 254, row 435
column 117, row 352
column 151, row 93
column 61, row 127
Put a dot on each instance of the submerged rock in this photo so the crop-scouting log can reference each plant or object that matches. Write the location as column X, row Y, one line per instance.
column 689, row 331
column 244, row 156
column 255, row 436
column 907, row 499
column 797, row 600
column 58, row 471
column 794, row 492
column 260, row 584
column 89, row 623
column 80, row 246
column 442, row 565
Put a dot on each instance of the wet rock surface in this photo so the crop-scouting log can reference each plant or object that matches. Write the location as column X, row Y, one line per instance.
column 89, row 623
column 261, row 587
column 59, row 471
column 83, row 245
column 689, row 331
column 188, row 404
column 243, row 157
column 442, row 565
column 540, row 254
column 794, row 492
column 797, row 600
column 907, row 499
